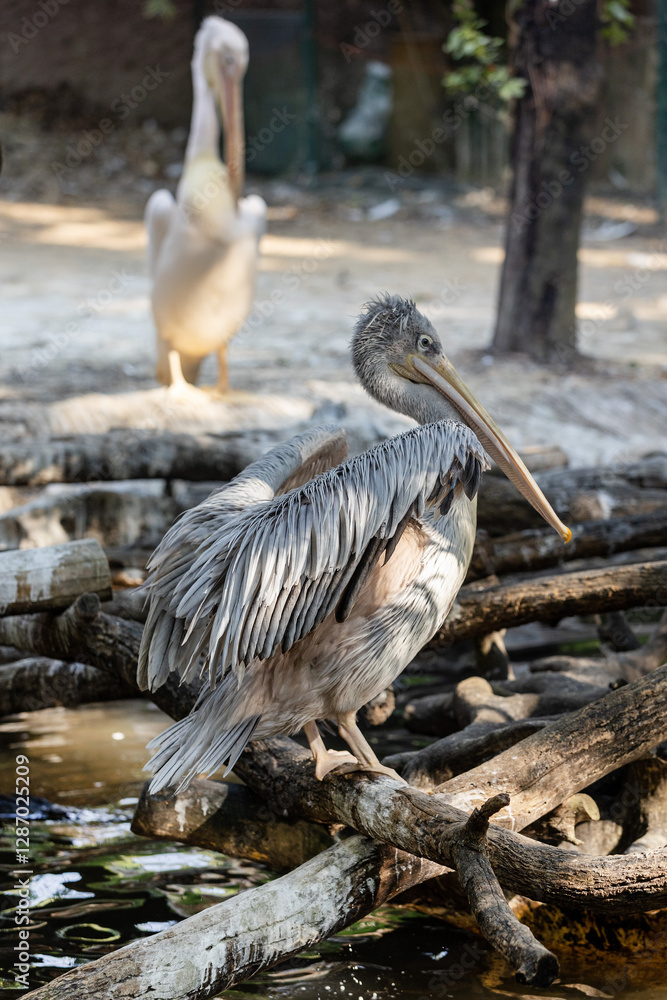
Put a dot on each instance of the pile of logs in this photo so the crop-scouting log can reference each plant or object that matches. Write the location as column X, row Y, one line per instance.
column 543, row 782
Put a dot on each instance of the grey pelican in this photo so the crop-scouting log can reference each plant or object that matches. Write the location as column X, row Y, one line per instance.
column 303, row 593
column 203, row 246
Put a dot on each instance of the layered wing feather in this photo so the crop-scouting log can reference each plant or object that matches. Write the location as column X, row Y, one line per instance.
column 249, row 572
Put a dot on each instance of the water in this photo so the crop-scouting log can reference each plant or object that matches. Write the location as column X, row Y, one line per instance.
column 97, row 886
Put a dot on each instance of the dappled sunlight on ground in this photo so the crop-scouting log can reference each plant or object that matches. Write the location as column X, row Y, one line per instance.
column 77, row 321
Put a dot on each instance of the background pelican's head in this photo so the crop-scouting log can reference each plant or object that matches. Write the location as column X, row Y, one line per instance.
column 219, row 64
column 221, row 51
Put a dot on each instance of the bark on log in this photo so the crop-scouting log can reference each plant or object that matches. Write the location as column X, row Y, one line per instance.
column 460, row 752
column 534, row 550
column 478, row 610
column 576, row 750
column 597, row 493
column 628, row 666
column 53, row 577
column 231, row 819
column 533, row 963
column 231, row 941
column 133, row 454
column 29, row 685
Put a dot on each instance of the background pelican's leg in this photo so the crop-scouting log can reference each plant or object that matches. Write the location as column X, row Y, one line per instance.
column 175, row 369
column 325, row 760
column 176, row 378
column 350, row 732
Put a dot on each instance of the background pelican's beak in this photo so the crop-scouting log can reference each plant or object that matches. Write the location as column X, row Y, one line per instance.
column 231, row 111
column 445, row 378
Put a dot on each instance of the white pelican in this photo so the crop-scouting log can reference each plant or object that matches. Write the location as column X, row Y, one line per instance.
column 305, row 597
column 203, row 246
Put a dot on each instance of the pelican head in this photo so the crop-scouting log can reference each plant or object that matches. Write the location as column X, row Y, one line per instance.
column 219, row 63
column 400, row 361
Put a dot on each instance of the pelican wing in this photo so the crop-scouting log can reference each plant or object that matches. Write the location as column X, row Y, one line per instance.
column 252, row 570
column 158, row 216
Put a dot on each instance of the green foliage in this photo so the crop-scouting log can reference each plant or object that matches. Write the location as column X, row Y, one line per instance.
column 617, row 21
column 481, row 55
column 164, row 9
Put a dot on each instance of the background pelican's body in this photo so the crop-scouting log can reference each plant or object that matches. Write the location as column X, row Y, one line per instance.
column 203, row 246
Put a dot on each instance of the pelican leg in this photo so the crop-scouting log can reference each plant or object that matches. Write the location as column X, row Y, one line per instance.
column 176, row 377
column 325, row 760
column 350, row 732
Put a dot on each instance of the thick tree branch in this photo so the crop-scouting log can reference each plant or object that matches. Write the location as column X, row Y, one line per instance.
column 231, row 941
column 478, row 611
column 231, row 819
column 52, row 577
column 38, row 682
column 534, row 964
column 538, row 549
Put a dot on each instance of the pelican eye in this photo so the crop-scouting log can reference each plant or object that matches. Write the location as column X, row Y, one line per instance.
column 424, row 342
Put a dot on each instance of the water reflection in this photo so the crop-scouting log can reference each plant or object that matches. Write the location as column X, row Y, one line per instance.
column 76, row 756
column 97, row 886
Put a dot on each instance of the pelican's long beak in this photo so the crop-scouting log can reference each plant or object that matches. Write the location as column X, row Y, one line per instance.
column 231, row 111
column 445, row 378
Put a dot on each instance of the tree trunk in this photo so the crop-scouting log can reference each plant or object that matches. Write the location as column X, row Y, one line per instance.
column 553, row 124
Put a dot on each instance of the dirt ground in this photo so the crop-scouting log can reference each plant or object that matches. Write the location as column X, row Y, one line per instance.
column 76, row 316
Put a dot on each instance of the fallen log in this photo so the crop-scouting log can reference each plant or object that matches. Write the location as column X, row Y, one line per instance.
column 133, row 515
column 283, row 774
column 541, row 549
column 576, row 495
column 480, row 610
column 231, row 941
column 83, row 633
column 460, row 752
column 578, row 749
column 620, row 666
column 28, row 685
column 476, row 700
column 53, row 577
column 231, row 819
column 542, row 770
column 133, row 454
